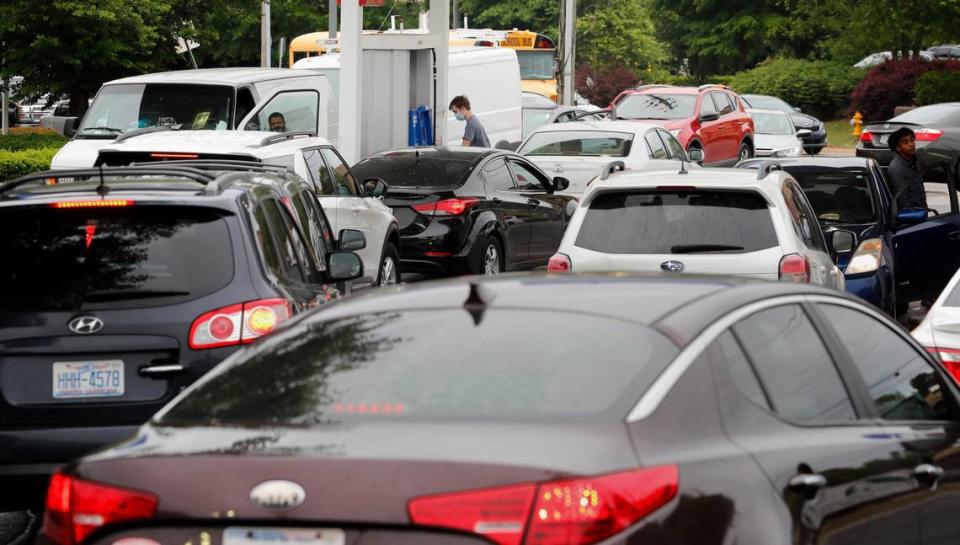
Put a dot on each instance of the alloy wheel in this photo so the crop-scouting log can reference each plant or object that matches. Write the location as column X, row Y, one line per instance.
column 388, row 272
column 491, row 260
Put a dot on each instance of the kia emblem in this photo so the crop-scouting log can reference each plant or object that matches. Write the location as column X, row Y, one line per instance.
column 277, row 495
column 85, row 325
column 672, row 266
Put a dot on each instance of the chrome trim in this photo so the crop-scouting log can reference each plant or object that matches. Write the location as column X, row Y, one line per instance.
column 664, row 383
column 160, row 369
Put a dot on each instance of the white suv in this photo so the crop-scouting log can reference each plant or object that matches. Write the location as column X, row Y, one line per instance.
column 703, row 221
column 348, row 204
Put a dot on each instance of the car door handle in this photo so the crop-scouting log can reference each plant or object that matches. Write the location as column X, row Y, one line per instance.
column 157, row 370
column 928, row 473
column 808, row 482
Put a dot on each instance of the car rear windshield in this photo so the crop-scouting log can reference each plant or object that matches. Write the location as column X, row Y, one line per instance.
column 435, row 364
column 934, row 114
column 97, row 258
column 778, row 124
column 841, row 196
column 409, row 170
column 677, row 222
column 578, row 143
column 656, row 106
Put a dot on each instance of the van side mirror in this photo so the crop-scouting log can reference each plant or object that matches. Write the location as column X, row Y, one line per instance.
column 842, row 242
column 797, row 109
column 352, row 240
column 695, row 155
column 912, row 216
column 560, row 183
column 70, row 125
column 374, row 187
column 804, row 132
column 344, row 266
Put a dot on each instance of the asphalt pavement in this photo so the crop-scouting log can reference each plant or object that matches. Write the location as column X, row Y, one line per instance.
column 18, row 528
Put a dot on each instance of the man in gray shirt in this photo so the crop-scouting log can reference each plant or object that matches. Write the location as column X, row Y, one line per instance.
column 474, row 135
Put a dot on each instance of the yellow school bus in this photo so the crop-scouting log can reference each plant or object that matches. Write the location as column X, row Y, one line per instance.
column 309, row 45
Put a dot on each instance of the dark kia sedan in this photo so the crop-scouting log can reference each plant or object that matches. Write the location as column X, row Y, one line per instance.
column 470, row 210
column 937, row 129
column 552, row 410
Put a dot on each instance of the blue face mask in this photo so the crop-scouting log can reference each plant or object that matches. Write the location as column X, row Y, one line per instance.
column 459, row 116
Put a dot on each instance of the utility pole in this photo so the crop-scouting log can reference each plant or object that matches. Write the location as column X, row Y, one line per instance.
column 456, row 16
column 568, row 22
column 332, row 27
column 265, row 33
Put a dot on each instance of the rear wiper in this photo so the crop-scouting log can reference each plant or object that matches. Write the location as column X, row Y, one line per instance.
column 111, row 129
column 117, row 295
column 696, row 248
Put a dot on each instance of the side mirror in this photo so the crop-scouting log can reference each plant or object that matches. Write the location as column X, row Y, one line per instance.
column 696, row 155
column 560, row 183
column 70, row 126
column 374, row 187
column 797, row 109
column 912, row 216
column 344, row 266
column 841, row 241
column 804, row 132
column 352, row 240
column 709, row 117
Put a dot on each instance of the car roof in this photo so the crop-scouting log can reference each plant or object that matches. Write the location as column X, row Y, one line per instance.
column 673, row 89
column 221, row 142
column 819, row 161
column 607, row 126
column 705, row 178
column 767, row 111
column 216, row 76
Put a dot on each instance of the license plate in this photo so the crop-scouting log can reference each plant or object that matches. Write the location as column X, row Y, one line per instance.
column 235, row 535
column 80, row 379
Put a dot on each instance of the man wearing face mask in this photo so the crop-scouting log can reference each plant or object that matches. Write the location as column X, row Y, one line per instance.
column 474, row 134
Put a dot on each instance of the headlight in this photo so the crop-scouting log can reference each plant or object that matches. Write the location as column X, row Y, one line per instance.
column 788, row 152
column 867, row 258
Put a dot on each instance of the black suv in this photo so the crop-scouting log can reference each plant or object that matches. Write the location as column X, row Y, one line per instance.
column 122, row 286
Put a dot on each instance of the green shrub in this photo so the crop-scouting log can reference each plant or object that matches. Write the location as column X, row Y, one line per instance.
column 14, row 164
column 936, row 87
column 820, row 88
column 19, row 140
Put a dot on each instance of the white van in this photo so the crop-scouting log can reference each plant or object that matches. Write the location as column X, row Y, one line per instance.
column 212, row 98
column 488, row 76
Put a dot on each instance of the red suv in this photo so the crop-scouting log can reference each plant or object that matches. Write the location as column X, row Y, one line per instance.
column 710, row 117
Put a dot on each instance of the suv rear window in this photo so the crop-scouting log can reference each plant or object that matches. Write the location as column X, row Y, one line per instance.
column 385, row 365
column 677, row 222
column 97, row 258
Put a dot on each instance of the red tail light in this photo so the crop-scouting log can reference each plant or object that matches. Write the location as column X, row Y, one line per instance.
column 950, row 358
column 446, row 207
column 866, row 136
column 927, row 135
column 99, row 203
column 567, row 512
column 795, row 268
column 236, row 324
column 559, row 263
column 75, row 508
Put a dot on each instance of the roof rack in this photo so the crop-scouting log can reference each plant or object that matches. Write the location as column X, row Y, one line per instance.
column 610, row 168
column 766, row 168
column 712, row 86
column 218, row 164
column 651, row 86
column 185, row 172
column 280, row 137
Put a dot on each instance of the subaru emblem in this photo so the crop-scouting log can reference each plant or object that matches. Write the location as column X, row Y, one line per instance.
column 277, row 495
column 85, row 325
column 672, row 266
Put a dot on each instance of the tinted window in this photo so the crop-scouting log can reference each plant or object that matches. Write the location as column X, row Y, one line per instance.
column 723, row 104
column 288, row 111
column 279, row 253
column 674, row 149
column 902, row 384
column 245, row 103
column 934, row 114
column 343, row 180
column 801, row 217
column 655, row 145
column 682, row 222
column 408, row 170
column 738, row 368
column 120, row 108
column 308, row 214
column 656, row 106
column 318, row 172
column 111, row 258
column 838, row 195
column 527, row 179
column 385, row 366
column 578, row 143
column 794, row 366
column 496, row 176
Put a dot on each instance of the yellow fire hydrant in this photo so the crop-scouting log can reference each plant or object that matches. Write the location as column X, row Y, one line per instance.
column 856, row 123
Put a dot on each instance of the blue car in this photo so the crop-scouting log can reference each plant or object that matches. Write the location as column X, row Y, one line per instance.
column 889, row 257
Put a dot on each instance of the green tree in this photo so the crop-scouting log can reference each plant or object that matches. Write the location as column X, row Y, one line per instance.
column 621, row 34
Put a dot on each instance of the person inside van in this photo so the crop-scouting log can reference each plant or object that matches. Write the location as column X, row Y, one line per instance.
column 474, row 134
column 277, row 122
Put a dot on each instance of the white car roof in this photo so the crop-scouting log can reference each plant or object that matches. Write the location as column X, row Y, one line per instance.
column 219, row 142
column 707, row 178
column 215, row 76
column 765, row 111
column 608, row 126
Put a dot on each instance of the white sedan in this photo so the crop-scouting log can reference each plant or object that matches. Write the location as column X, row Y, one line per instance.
column 579, row 150
column 939, row 331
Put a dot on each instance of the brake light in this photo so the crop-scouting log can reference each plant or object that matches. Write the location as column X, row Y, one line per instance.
column 559, row 263
column 446, row 207
column 565, row 512
column 795, row 268
column 866, row 136
column 236, row 324
column 76, row 507
column 927, row 135
column 174, row 156
column 102, row 203
column 950, row 358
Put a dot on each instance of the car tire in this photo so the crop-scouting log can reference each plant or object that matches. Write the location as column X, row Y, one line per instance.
column 746, row 152
column 489, row 259
column 389, row 273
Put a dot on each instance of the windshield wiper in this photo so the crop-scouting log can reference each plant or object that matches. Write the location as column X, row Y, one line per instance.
column 117, row 295
column 697, row 248
column 111, row 129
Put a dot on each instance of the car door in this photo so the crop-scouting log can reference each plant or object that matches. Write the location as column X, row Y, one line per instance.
column 674, row 149
column 711, row 132
column 511, row 207
column 728, row 124
column 918, row 405
column 546, row 219
column 297, row 109
column 826, row 456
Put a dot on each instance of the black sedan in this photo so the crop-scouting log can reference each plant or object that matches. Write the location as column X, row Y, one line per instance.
column 538, row 410
column 937, row 128
column 814, row 142
column 470, row 210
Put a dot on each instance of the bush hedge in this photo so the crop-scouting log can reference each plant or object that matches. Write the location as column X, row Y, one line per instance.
column 820, row 88
column 22, row 138
column 891, row 84
column 936, row 87
column 14, row 164
column 607, row 83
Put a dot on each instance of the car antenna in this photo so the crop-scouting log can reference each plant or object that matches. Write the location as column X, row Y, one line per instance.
column 476, row 303
column 683, row 167
column 102, row 189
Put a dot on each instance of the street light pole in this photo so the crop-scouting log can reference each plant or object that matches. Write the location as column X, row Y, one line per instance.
column 456, row 15
column 568, row 23
column 265, row 33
